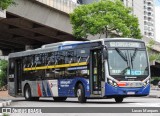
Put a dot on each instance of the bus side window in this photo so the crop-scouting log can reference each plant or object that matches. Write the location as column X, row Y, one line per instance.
column 67, row 57
column 61, row 57
column 11, row 66
column 37, row 60
column 30, row 61
column 83, row 55
column 25, row 62
column 52, row 58
column 70, row 56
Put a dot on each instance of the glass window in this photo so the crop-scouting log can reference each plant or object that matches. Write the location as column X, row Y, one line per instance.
column 128, row 62
column 83, row 55
column 117, row 61
column 138, row 62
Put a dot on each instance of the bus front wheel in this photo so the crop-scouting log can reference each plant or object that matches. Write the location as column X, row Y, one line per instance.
column 81, row 93
column 119, row 99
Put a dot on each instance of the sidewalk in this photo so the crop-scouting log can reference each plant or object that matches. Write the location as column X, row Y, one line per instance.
column 5, row 99
column 155, row 93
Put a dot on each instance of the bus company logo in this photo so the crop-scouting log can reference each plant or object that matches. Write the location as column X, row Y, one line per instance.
column 127, row 84
column 6, row 110
column 65, row 83
column 131, row 84
column 20, row 110
column 51, row 85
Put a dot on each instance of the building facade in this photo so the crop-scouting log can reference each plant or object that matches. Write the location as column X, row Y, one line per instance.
column 144, row 10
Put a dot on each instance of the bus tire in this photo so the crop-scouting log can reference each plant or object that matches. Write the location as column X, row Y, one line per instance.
column 27, row 93
column 80, row 93
column 119, row 99
column 59, row 99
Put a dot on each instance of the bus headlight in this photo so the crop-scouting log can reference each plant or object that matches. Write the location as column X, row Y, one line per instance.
column 146, row 82
column 113, row 83
column 110, row 82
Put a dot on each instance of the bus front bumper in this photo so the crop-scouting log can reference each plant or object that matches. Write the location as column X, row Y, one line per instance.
column 111, row 91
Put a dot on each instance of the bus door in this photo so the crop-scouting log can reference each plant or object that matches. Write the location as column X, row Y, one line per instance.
column 18, row 76
column 11, row 84
column 95, row 71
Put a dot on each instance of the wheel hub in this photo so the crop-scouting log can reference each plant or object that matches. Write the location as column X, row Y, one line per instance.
column 27, row 93
column 79, row 92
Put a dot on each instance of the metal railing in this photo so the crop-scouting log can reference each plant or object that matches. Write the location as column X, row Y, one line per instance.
column 66, row 6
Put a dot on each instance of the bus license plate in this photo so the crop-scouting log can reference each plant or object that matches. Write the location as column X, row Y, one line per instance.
column 130, row 93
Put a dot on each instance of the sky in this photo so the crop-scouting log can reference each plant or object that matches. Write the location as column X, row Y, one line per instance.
column 157, row 20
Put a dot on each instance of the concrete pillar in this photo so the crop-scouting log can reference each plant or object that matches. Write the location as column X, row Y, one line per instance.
column 2, row 14
column 28, row 47
column 1, row 53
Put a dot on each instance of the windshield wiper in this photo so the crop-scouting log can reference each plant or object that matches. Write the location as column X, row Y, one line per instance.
column 124, row 57
column 124, row 70
column 133, row 56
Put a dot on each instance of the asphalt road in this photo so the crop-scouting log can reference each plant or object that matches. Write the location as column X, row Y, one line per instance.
column 73, row 102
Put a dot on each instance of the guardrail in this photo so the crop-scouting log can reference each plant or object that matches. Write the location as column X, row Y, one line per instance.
column 66, row 6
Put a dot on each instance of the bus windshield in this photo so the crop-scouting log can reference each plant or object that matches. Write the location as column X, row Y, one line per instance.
column 128, row 62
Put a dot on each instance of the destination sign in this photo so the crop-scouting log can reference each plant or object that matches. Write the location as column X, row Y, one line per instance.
column 125, row 44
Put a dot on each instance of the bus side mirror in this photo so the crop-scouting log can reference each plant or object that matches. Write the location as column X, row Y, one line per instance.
column 105, row 54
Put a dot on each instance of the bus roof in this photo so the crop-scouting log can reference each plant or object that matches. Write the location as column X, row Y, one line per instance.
column 114, row 39
column 56, row 46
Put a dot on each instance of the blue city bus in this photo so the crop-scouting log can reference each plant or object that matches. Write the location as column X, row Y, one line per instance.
column 98, row 69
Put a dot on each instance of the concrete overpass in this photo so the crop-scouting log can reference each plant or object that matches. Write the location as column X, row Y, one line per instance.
column 32, row 23
column 154, row 65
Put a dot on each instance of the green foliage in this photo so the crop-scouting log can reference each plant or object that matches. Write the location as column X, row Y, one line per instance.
column 4, row 114
column 155, row 80
column 109, row 17
column 152, row 56
column 5, row 3
column 3, row 72
column 150, row 44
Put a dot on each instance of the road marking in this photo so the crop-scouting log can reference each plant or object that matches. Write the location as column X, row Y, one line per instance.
column 147, row 104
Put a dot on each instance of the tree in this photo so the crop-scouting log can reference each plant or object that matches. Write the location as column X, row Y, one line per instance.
column 5, row 3
column 3, row 72
column 109, row 17
column 152, row 56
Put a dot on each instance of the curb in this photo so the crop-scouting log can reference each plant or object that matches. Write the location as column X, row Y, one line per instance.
column 156, row 89
column 5, row 103
column 153, row 96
